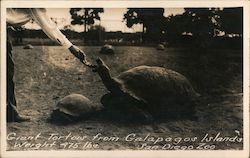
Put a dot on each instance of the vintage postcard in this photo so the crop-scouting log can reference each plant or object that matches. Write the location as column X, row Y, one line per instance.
column 125, row 79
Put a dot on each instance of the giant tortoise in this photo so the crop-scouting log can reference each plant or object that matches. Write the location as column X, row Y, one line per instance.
column 72, row 108
column 148, row 92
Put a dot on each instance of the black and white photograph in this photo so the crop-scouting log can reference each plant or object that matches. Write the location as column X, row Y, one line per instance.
column 136, row 78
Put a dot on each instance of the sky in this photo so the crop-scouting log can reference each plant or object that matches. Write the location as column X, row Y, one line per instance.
column 111, row 19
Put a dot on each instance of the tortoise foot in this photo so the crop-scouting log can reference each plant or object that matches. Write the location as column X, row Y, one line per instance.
column 58, row 117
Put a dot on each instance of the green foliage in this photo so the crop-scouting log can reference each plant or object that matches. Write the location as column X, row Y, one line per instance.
column 202, row 21
column 145, row 16
column 207, row 22
column 152, row 20
column 232, row 20
column 86, row 16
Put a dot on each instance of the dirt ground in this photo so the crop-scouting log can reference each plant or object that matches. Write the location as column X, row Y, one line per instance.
column 44, row 75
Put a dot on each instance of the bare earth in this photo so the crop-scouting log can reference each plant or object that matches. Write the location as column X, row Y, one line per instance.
column 44, row 75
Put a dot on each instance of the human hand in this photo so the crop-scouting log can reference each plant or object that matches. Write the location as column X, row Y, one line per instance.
column 78, row 53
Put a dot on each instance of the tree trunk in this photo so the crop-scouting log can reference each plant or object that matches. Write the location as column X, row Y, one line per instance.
column 143, row 33
column 85, row 20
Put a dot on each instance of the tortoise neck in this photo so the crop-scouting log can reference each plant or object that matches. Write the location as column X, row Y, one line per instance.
column 106, row 77
column 110, row 83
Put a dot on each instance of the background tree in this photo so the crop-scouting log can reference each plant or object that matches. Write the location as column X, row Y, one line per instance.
column 151, row 19
column 96, row 33
column 205, row 23
column 202, row 21
column 232, row 20
column 176, row 25
column 85, row 16
column 18, row 34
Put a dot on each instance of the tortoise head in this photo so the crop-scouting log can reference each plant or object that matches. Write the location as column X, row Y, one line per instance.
column 112, row 84
column 102, row 69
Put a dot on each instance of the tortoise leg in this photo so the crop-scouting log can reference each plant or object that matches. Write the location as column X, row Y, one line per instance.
column 106, row 99
column 111, row 106
column 110, row 101
column 125, row 107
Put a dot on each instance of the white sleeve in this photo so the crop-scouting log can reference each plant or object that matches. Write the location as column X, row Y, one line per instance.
column 17, row 17
column 49, row 27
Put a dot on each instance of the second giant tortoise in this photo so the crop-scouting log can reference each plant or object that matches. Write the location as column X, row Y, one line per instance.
column 72, row 108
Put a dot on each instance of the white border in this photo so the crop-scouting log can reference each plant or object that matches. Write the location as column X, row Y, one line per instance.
column 120, row 3
column 126, row 153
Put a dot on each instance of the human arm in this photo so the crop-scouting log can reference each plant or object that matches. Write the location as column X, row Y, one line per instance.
column 40, row 16
column 51, row 30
